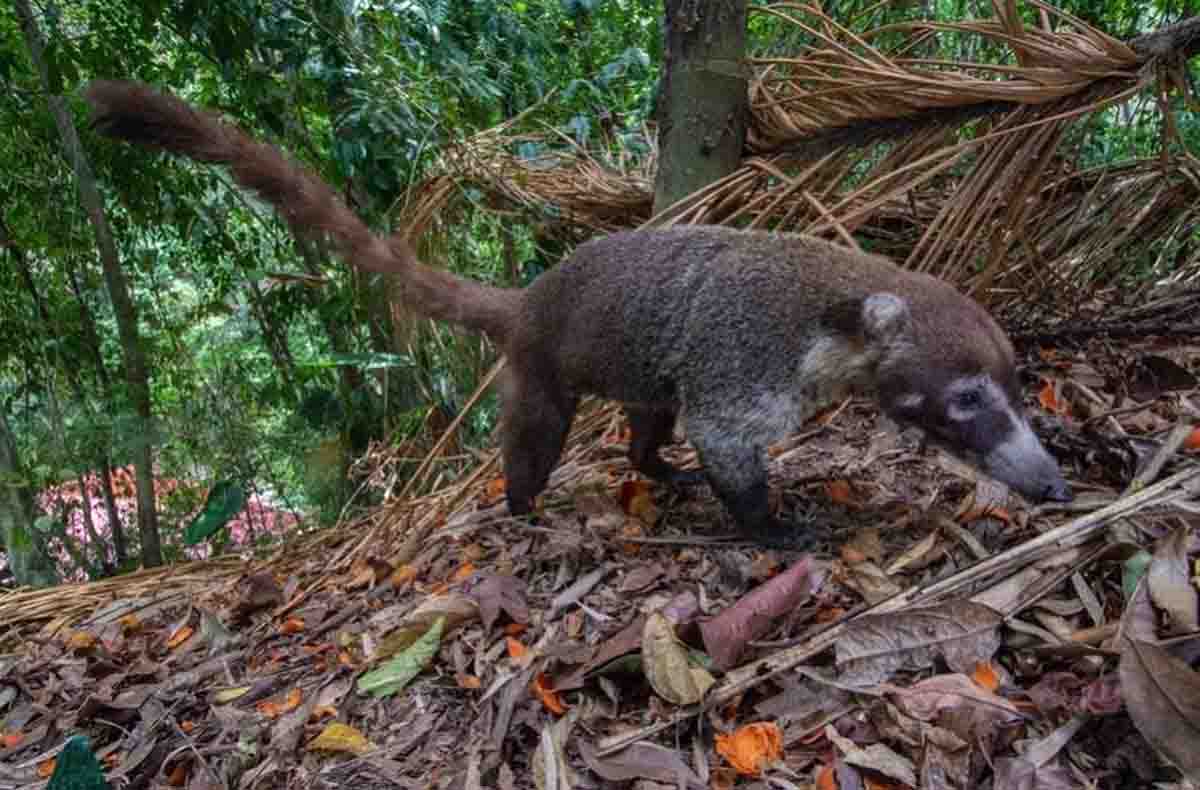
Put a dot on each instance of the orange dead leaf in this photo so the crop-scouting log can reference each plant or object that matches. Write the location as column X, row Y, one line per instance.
column 275, row 708
column 632, row 529
column 180, row 636
column 292, row 625
column 130, row 624
column 322, row 712
column 986, row 511
column 187, row 725
column 751, row 748
column 12, row 740
column 464, row 572
column 178, row 776
column 826, row 778
column 830, row 614
column 81, row 640
column 840, row 492
column 544, row 690
column 494, row 491
column 403, row 575
column 985, row 676
column 636, row 501
column 516, row 649
column 515, row 629
column 466, row 681
column 1050, row 400
column 46, row 769
column 345, row 659
column 1193, row 440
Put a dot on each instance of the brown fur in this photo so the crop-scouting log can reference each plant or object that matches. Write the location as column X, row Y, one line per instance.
column 745, row 333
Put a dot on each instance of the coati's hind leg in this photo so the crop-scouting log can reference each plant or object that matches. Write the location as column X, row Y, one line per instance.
column 535, row 421
column 736, row 470
column 651, row 428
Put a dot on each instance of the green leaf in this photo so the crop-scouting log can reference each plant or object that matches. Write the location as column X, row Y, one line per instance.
column 77, row 768
column 225, row 500
column 1132, row 571
column 396, row 674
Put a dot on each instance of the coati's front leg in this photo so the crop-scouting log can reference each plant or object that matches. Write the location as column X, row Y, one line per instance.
column 535, row 419
column 651, row 428
column 734, row 465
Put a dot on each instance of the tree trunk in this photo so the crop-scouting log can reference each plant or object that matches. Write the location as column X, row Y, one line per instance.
column 118, row 290
column 702, row 103
column 27, row 558
column 104, row 461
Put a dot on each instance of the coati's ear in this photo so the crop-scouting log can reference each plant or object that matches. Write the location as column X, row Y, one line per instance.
column 884, row 316
column 877, row 318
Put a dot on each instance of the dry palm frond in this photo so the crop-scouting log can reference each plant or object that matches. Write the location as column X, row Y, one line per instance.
column 575, row 186
column 840, row 81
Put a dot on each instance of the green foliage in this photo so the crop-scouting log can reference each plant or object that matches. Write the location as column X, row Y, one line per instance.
column 76, row 768
column 225, row 500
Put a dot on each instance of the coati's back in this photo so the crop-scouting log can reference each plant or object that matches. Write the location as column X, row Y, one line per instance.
column 631, row 315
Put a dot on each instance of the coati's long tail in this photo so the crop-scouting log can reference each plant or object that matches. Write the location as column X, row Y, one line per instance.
column 139, row 114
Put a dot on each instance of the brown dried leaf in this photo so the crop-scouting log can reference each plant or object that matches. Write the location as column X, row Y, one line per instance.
column 869, row 581
column 1162, row 696
column 641, row 760
column 641, row 577
column 456, row 608
column 1170, row 582
column 726, row 635
column 875, row 646
column 665, row 662
column 928, row 699
column 496, row 593
column 876, row 757
column 919, row 554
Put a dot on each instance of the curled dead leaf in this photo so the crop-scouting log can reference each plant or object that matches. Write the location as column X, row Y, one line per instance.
column 667, row 666
column 727, row 634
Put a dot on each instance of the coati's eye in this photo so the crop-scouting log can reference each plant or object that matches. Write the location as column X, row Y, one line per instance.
column 968, row 400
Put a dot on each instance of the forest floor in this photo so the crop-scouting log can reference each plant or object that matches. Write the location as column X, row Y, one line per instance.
column 940, row 634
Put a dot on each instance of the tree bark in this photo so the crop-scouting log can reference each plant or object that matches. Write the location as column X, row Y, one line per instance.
column 118, row 290
column 92, row 339
column 703, row 104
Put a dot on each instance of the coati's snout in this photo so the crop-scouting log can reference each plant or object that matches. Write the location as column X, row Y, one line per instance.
column 978, row 420
column 964, row 396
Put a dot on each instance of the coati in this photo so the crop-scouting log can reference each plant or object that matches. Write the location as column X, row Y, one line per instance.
column 744, row 334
